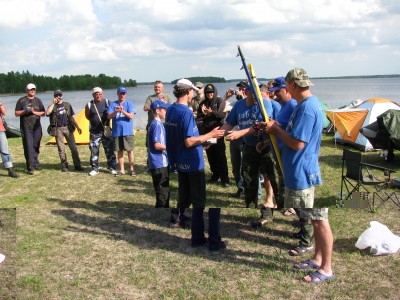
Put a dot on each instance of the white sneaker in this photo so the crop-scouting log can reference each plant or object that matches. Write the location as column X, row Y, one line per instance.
column 113, row 172
column 93, row 173
column 2, row 258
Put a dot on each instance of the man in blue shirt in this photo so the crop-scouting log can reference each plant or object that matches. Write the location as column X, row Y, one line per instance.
column 185, row 154
column 246, row 114
column 300, row 151
column 122, row 112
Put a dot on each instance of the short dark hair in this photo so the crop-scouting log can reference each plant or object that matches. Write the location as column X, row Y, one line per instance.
column 180, row 91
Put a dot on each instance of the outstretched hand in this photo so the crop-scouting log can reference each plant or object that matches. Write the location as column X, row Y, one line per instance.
column 217, row 133
column 233, row 135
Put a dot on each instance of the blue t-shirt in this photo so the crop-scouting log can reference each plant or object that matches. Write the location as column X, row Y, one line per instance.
column 276, row 108
column 121, row 125
column 245, row 116
column 285, row 113
column 301, row 167
column 180, row 125
column 284, row 116
column 156, row 134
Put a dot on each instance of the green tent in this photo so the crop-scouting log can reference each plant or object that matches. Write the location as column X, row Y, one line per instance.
column 324, row 107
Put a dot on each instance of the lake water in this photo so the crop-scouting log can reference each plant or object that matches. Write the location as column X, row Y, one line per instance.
column 334, row 92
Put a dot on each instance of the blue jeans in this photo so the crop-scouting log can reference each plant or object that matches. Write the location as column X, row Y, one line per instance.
column 5, row 153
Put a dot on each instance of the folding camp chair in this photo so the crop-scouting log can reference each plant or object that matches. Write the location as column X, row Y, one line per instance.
column 358, row 180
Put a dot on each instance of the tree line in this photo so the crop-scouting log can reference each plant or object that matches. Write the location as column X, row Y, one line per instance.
column 15, row 82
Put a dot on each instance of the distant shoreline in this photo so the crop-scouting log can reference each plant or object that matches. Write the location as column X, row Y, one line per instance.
column 359, row 77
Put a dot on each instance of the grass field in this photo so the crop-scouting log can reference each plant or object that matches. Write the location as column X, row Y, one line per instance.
column 71, row 236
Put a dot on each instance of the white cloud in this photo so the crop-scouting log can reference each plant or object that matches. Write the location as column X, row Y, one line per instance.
column 166, row 37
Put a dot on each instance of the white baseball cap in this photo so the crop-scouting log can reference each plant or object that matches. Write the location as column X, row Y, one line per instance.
column 30, row 86
column 186, row 83
column 97, row 90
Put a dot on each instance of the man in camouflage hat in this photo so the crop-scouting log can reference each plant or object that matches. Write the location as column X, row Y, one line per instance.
column 300, row 151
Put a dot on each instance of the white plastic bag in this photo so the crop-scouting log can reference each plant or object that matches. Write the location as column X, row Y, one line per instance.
column 381, row 240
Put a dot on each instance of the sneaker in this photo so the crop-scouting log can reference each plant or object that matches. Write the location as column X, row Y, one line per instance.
column 37, row 168
column 64, row 169
column 178, row 225
column 12, row 173
column 132, row 173
column 199, row 243
column 29, row 172
column 213, row 180
column 93, row 173
column 261, row 222
column 220, row 246
column 79, row 168
column 225, row 184
column 113, row 172
column 239, row 193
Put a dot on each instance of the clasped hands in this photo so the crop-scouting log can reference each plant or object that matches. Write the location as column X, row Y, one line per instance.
column 206, row 110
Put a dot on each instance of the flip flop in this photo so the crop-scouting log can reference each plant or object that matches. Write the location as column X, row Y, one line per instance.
column 307, row 264
column 301, row 250
column 317, row 275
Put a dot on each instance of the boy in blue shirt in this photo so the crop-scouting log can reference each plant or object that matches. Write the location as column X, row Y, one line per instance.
column 157, row 154
column 185, row 154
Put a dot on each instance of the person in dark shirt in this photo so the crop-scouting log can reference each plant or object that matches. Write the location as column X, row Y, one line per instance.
column 62, row 117
column 29, row 109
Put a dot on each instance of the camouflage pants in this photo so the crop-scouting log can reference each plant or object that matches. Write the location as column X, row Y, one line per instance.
column 253, row 162
column 108, row 145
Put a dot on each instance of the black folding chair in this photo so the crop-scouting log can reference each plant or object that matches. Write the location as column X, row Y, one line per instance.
column 358, row 179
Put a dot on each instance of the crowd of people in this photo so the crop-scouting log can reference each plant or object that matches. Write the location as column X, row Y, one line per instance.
column 176, row 134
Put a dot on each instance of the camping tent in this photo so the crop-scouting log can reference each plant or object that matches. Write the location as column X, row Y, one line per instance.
column 384, row 133
column 325, row 119
column 349, row 121
column 80, row 139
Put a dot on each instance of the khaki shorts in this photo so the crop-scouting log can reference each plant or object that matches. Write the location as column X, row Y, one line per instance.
column 124, row 143
column 304, row 199
column 299, row 198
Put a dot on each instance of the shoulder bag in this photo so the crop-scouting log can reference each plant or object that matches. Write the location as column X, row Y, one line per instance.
column 107, row 129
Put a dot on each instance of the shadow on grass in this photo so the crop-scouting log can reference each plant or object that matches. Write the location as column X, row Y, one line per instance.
column 114, row 220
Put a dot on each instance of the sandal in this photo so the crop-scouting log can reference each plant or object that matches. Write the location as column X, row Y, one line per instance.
column 307, row 264
column 317, row 277
column 289, row 212
column 300, row 250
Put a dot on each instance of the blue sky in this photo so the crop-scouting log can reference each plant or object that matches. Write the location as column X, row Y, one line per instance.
column 168, row 39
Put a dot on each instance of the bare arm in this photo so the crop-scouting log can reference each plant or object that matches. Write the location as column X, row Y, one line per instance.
column 237, row 134
column 87, row 111
column 73, row 121
column 159, row 146
column 50, row 109
column 197, row 140
column 3, row 109
column 146, row 107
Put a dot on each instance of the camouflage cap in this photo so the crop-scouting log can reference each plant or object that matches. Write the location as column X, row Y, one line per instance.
column 299, row 76
column 199, row 85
